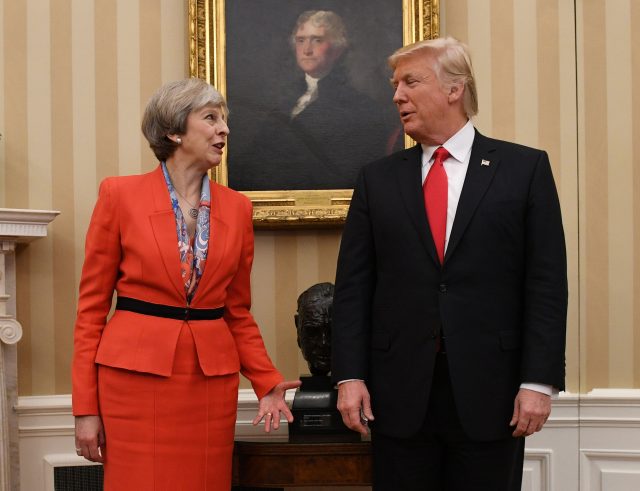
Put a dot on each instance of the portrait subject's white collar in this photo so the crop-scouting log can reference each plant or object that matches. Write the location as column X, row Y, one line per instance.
column 312, row 83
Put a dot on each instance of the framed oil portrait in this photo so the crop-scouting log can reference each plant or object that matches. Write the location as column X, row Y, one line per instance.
column 308, row 90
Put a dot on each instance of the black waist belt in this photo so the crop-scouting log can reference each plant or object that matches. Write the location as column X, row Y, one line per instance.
column 167, row 311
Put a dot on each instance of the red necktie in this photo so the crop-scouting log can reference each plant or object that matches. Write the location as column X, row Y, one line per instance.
column 435, row 190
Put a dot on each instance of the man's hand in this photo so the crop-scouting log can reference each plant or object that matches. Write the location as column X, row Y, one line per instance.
column 530, row 412
column 354, row 404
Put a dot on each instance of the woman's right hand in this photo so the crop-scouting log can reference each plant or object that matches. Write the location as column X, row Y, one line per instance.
column 90, row 440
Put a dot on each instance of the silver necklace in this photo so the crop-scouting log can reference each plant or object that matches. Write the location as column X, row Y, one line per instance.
column 193, row 211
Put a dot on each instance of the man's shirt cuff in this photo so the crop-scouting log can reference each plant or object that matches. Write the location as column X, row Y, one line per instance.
column 349, row 380
column 549, row 390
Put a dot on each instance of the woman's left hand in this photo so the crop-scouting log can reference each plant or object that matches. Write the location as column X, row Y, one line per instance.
column 273, row 404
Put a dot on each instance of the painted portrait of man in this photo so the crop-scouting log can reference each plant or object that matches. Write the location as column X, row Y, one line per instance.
column 314, row 119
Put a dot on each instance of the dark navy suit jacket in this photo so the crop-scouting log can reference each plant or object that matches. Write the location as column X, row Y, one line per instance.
column 500, row 298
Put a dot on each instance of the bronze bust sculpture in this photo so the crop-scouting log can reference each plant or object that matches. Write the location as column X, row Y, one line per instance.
column 316, row 418
column 313, row 324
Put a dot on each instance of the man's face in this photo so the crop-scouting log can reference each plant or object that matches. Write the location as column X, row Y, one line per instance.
column 422, row 102
column 314, row 51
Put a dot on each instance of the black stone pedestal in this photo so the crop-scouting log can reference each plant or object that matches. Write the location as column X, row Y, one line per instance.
column 316, row 417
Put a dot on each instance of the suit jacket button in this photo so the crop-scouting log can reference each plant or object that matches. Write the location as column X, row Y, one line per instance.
column 443, row 288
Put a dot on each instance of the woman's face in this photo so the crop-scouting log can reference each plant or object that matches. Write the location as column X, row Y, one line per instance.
column 205, row 137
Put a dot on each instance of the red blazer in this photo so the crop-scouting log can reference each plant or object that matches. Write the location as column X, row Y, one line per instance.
column 132, row 248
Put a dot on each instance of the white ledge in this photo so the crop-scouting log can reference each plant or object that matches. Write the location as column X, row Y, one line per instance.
column 25, row 225
column 619, row 393
column 50, row 404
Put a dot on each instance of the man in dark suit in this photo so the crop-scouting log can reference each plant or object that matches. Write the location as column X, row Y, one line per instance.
column 323, row 129
column 450, row 299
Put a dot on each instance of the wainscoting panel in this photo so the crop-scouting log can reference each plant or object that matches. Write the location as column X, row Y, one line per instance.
column 590, row 443
column 610, row 470
column 537, row 470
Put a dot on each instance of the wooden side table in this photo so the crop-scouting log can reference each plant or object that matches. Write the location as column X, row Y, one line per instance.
column 276, row 464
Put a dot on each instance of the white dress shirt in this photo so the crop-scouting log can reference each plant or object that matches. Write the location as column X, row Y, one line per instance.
column 459, row 148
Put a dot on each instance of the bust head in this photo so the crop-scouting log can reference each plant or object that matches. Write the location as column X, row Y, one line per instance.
column 313, row 323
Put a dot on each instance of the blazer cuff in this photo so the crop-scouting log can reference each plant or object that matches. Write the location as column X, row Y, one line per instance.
column 266, row 383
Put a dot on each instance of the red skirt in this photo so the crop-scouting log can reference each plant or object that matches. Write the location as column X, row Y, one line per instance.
column 168, row 434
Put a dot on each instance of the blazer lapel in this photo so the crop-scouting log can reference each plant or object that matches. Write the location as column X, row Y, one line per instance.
column 410, row 183
column 163, row 223
column 218, row 233
column 483, row 164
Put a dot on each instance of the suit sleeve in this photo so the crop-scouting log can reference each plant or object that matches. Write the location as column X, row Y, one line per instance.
column 545, row 312
column 254, row 360
column 355, row 283
column 97, row 283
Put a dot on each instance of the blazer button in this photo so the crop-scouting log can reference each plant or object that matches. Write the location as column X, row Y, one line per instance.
column 443, row 288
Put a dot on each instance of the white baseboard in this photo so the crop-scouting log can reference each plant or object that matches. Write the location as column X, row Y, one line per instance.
column 590, row 443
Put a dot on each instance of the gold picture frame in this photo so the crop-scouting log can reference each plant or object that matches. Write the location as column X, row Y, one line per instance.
column 207, row 60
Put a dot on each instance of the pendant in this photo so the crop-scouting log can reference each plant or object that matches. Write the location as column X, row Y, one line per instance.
column 193, row 213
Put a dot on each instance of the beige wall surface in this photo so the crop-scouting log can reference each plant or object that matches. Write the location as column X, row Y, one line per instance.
column 554, row 74
column 74, row 78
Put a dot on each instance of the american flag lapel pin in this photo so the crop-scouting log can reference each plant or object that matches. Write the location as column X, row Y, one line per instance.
column 485, row 162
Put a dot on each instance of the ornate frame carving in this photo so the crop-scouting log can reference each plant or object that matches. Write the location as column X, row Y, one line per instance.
column 283, row 209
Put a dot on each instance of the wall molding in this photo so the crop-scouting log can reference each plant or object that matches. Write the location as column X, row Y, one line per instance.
column 538, row 468
column 589, row 439
column 25, row 225
column 610, row 470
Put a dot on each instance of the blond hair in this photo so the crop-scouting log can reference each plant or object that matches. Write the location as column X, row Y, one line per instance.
column 452, row 66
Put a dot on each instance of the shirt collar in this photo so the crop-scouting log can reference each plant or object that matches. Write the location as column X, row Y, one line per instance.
column 312, row 83
column 458, row 146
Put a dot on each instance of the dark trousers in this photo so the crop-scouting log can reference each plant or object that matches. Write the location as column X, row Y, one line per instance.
column 441, row 457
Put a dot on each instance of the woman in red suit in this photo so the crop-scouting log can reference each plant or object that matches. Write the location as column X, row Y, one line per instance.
column 155, row 387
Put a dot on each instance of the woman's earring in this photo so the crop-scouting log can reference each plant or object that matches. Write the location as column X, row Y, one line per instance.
column 179, row 141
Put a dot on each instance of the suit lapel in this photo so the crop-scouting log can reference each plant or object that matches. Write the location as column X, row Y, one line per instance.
column 476, row 182
column 163, row 223
column 410, row 183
